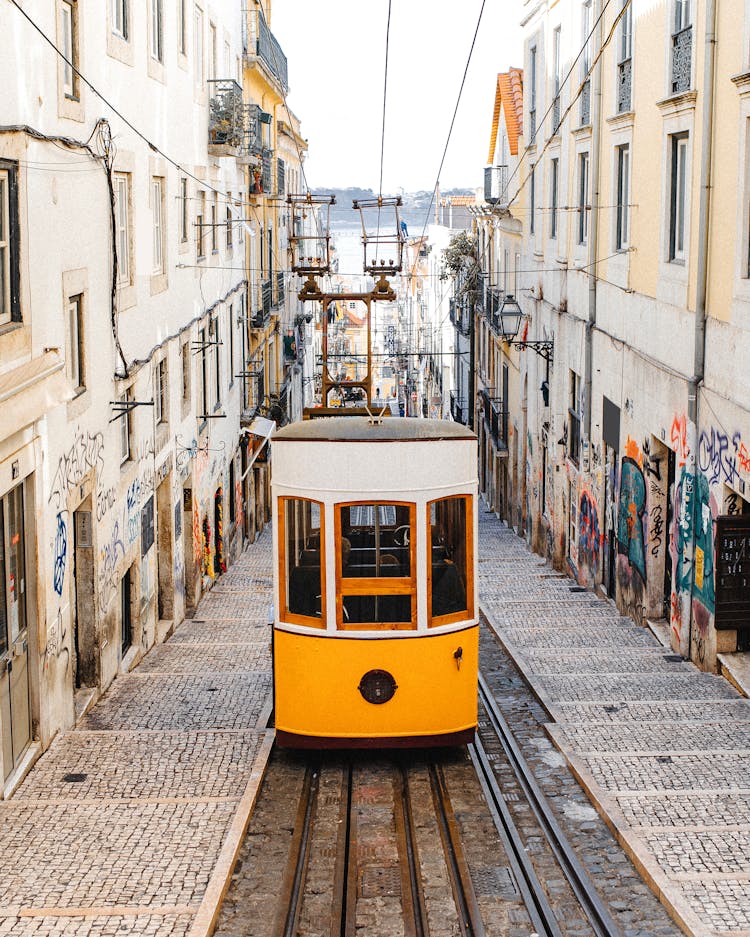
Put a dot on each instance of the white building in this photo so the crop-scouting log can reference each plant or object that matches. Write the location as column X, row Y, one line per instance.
column 122, row 311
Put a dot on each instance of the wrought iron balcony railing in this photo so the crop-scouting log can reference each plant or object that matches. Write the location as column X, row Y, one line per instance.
column 624, row 90
column 259, row 42
column 496, row 185
column 226, row 116
column 586, row 103
column 458, row 408
column 461, row 315
column 682, row 49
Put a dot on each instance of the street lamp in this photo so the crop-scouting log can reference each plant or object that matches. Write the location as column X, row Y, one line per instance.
column 510, row 316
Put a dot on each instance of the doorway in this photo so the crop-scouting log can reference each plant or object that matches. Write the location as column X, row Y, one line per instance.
column 164, row 550
column 85, row 664
column 14, row 649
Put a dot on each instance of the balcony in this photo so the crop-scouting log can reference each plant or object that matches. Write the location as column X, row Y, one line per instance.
column 496, row 185
column 280, row 295
column 461, row 315
column 260, row 44
column 682, row 50
column 624, row 91
column 458, row 408
column 495, row 419
column 226, row 117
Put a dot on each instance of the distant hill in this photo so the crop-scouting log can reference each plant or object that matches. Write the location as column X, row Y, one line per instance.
column 417, row 209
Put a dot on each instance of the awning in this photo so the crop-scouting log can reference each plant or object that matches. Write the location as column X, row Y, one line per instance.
column 31, row 390
column 262, row 429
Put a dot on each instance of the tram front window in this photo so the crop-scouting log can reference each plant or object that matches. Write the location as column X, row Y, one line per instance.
column 375, row 570
column 450, row 550
column 376, row 540
column 301, row 539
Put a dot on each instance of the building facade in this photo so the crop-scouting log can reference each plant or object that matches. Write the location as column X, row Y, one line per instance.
column 634, row 264
column 130, row 292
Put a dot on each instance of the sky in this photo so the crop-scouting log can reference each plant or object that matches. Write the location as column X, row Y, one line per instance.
column 336, row 58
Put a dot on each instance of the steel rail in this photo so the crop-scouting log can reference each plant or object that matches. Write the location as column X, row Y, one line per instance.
column 467, row 906
column 294, row 879
column 413, row 900
column 592, row 905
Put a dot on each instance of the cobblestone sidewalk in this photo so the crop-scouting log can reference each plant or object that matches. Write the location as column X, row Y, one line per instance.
column 663, row 749
column 129, row 824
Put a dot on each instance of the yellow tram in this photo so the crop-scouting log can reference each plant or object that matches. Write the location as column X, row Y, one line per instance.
column 375, row 627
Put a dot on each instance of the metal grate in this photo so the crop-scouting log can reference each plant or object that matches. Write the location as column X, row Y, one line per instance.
column 380, row 882
column 495, row 881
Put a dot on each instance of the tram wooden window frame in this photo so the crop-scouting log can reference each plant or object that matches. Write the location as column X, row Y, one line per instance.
column 294, row 618
column 376, row 585
column 467, row 613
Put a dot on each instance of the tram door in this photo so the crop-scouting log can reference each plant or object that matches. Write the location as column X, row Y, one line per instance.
column 15, row 721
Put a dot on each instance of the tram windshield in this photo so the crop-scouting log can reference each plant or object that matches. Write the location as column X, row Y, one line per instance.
column 450, row 546
column 376, row 565
column 302, row 539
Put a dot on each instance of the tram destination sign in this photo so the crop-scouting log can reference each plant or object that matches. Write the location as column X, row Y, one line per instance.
column 732, row 572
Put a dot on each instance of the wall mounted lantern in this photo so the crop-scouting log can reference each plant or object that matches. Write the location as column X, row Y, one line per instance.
column 510, row 316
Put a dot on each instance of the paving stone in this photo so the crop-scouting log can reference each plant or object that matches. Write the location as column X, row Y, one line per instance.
column 136, row 765
column 116, row 925
column 663, row 737
column 72, row 855
column 182, row 658
column 722, row 808
column 670, row 771
column 166, row 701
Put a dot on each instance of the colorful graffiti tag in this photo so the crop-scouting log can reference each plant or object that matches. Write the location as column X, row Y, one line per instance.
column 589, row 536
column 630, row 511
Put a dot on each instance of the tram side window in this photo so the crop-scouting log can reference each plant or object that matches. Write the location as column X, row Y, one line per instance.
column 450, row 549
column 303, row 568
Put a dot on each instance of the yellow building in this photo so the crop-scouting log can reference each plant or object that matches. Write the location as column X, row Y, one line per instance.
column 635, row 260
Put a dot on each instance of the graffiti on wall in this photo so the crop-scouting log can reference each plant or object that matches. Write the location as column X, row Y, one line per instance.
column 678, row 437
column 721, row 458
column 631, row 507
column 86, row 453
column 60, row 553
column 589, row 537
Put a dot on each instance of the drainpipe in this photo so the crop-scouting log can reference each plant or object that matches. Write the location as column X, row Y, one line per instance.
column 699, row 347
column 709, row 70
column 596, row 110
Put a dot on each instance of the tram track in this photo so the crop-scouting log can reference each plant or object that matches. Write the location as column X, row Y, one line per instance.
column 543, row 915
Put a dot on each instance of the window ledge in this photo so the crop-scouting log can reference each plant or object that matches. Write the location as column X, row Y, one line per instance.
column 742, row 83
column 622, row 121
column 678, row 103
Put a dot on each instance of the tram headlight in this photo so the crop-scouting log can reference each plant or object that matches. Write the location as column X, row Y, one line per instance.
column 377, row 686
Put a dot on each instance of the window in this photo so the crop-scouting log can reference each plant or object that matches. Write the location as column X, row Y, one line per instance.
column 122, row 222
column 556, row 67
column 211, row 51
column 450, row 545
column 585, row 38
column 532, row 200
column 554, row 209
column 376, row 582
column 681, row 15
column 622, row 232
column 120, row 18
column 302, row 560
column 626, row 31
column 229, row 221
column 532, row 94
column 241, row 225
column 231, row 345
column 182, row 27
column 214, row 333
column 583, row 197
column 678, row 192
column 198, row 45
column 69, row 48
column 574, row 417
column 157, row 30
column 199, row 224
column 76, row 372
column 204, row 373
column 10, row 308
column 161, row 386
column 124, row 431
column 185, row 352
column 682, row 48
column 214, row 220
column 183, row 209
column 157, row 198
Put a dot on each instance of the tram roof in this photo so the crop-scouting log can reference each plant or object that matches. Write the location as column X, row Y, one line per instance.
column 361, row 429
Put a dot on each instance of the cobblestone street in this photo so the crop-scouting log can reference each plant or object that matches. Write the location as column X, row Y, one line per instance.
column 129, row 823
column 662, row 749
